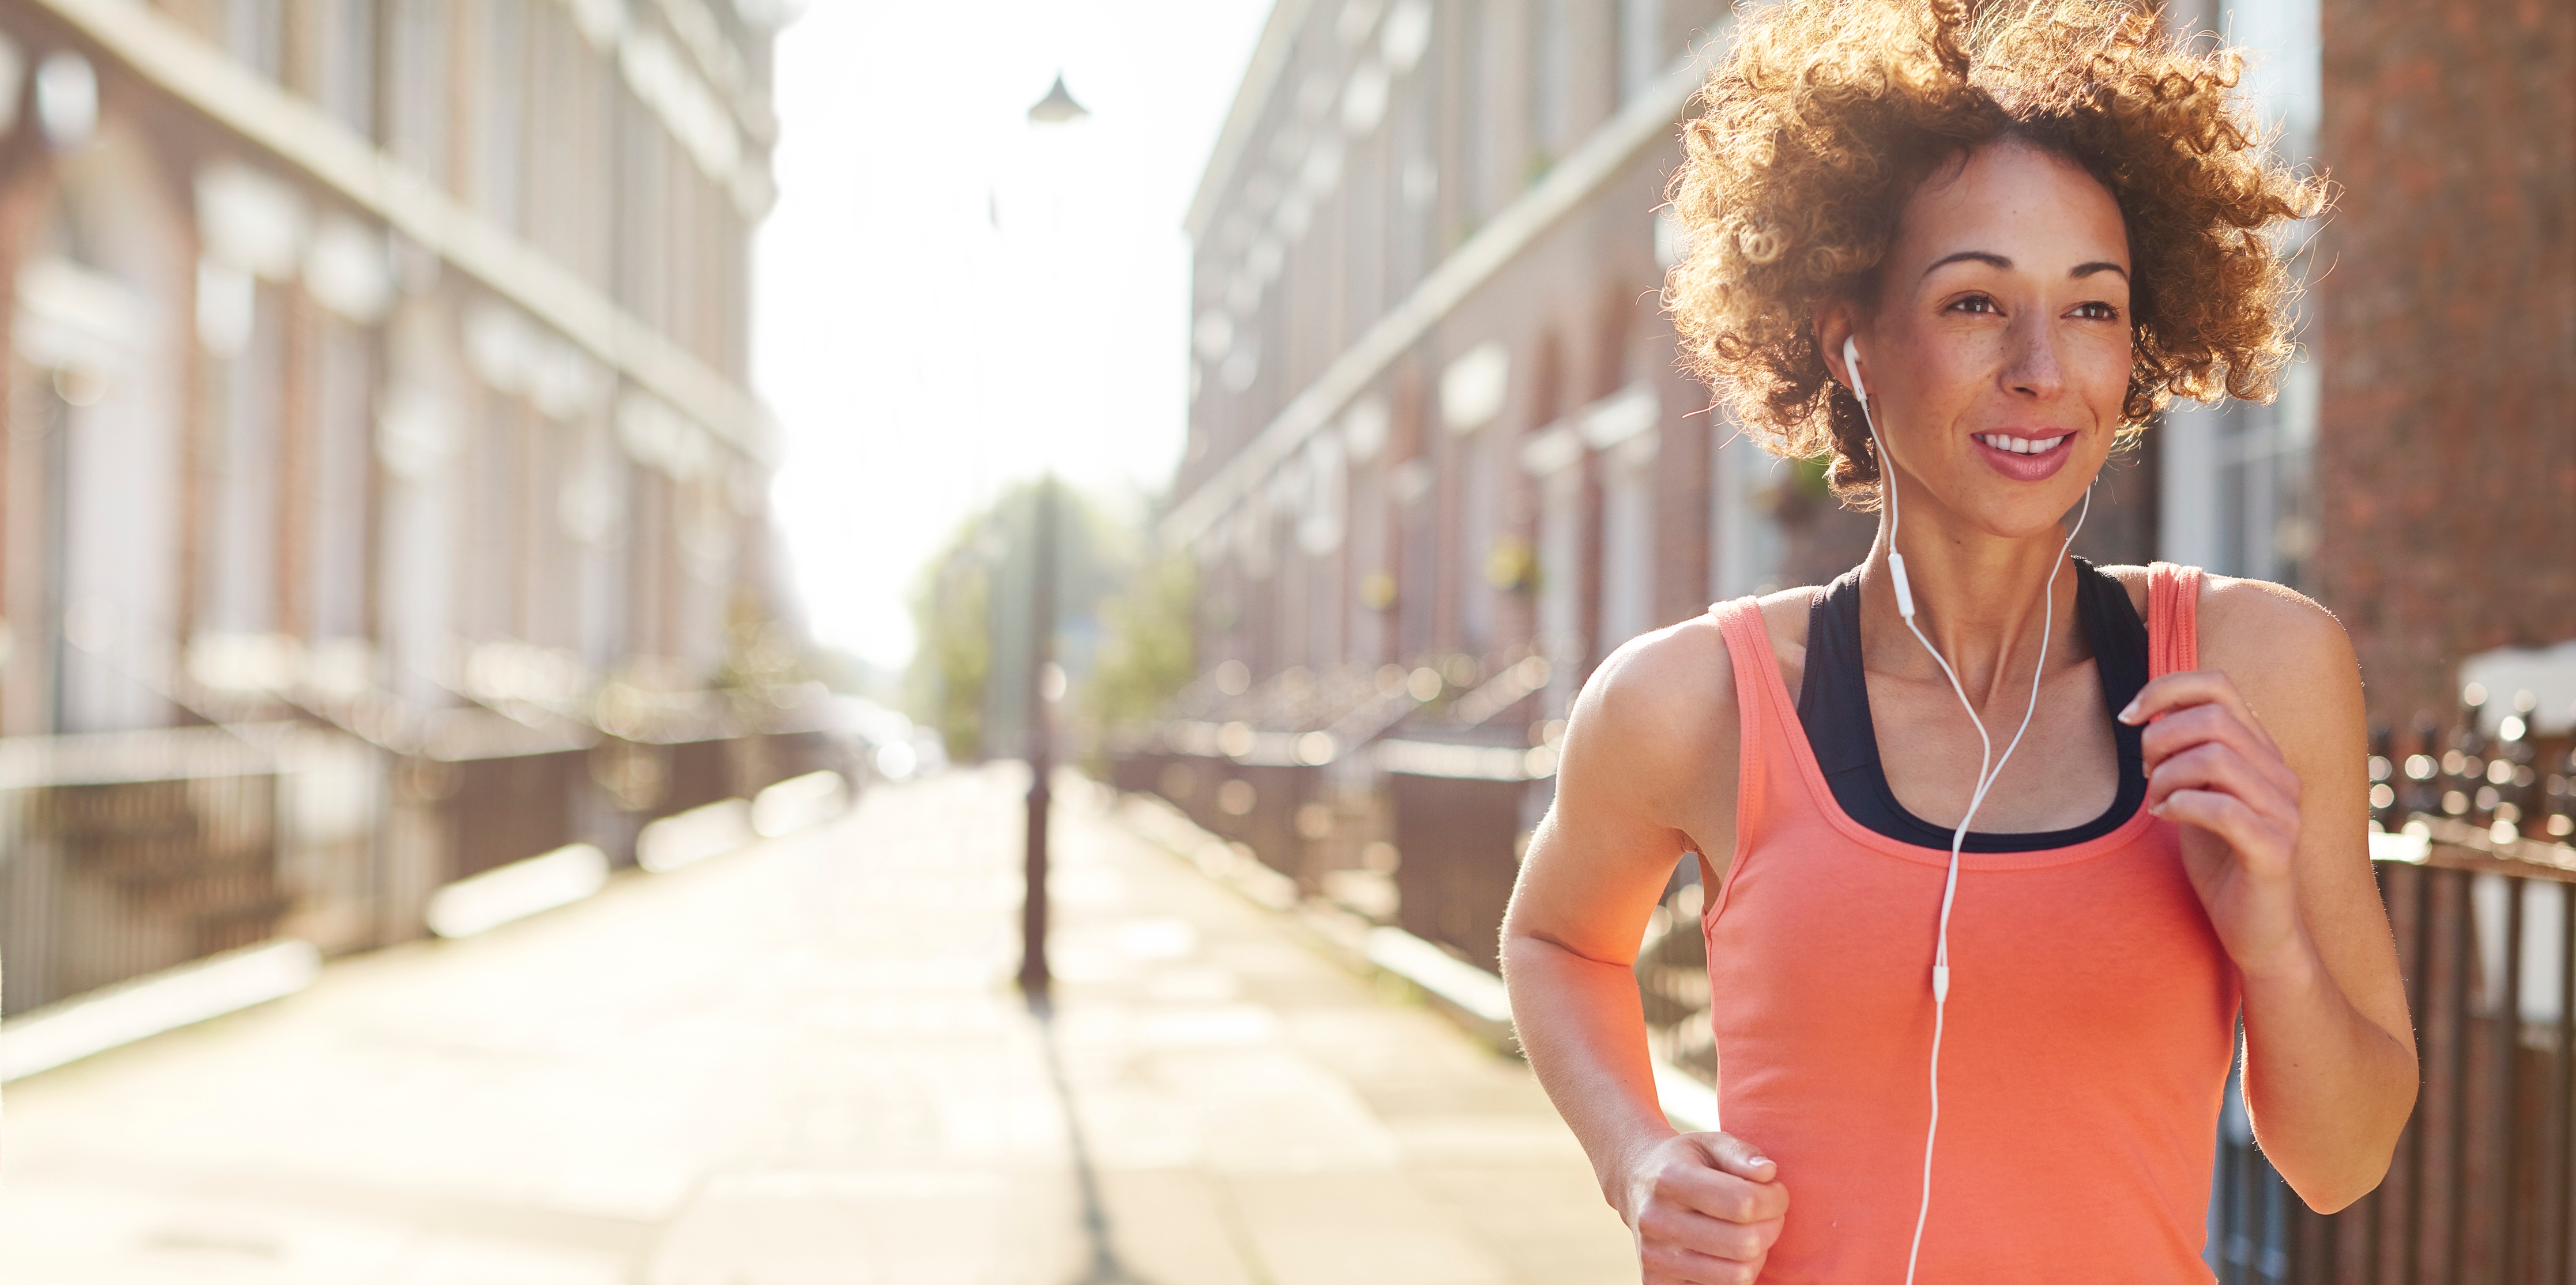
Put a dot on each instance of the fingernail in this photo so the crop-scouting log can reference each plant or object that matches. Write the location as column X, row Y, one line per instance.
column 2129, row 712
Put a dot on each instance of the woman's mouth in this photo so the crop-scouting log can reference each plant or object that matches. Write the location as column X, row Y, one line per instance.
column 2025, row 459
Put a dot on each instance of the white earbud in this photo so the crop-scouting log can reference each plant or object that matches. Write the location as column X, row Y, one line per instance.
column 1886, row 478
column 1988, row 766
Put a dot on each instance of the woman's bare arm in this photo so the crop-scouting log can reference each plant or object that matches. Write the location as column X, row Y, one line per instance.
column 1648, row 773
column 2261, row 757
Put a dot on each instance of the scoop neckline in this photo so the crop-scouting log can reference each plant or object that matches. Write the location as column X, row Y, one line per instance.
column 1784, row 714
column 1874, row 779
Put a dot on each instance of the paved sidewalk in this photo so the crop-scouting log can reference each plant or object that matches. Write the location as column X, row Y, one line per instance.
column 804, row 1063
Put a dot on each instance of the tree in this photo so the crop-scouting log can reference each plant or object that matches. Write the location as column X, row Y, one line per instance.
column 971, row 613
column 952, row 663
column 1148, row 649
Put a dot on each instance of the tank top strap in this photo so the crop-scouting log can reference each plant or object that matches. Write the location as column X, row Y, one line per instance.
column 2173, row 619
column 1765, row 713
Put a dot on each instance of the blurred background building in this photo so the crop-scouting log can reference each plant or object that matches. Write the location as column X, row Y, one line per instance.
column 384, row 503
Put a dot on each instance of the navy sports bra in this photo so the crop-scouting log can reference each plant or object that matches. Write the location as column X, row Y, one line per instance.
column 1833, row 705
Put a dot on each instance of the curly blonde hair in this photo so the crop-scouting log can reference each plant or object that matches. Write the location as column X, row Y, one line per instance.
column 1829, row 113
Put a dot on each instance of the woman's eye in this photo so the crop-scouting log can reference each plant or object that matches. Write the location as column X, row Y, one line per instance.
column 2097, row 311
column 1975, row 303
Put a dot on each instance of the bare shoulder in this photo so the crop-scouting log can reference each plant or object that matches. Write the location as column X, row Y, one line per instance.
column 1657, row 700
column 2275, row 641
column 1682, row 676
column 2256, row 630
column 1661, row 711
column 2285, row 652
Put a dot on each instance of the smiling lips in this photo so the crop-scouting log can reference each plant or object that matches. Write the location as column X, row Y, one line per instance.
column 2025, row 459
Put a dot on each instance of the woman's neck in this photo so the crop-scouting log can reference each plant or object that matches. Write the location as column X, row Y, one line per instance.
column 1978, row 597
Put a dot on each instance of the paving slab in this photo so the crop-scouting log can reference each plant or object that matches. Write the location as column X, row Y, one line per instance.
column 805, row 1063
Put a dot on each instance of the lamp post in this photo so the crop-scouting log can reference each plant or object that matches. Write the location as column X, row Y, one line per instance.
column 1057, row 108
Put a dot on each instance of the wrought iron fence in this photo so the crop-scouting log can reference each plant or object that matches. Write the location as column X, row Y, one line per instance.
column 128, row 854
column 125, row 854
column 2480, row 1186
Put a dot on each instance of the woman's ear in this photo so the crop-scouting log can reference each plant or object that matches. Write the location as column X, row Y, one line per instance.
column 1834, row 326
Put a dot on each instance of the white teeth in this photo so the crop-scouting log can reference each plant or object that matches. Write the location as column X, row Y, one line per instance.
column 2021, row 445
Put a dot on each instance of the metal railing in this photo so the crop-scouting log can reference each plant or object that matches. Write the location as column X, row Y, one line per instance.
column 126, row 854
column 2480, row 1188
column 122, row 855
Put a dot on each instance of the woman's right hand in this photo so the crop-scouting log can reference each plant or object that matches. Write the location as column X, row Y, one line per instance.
column 1704, row 1208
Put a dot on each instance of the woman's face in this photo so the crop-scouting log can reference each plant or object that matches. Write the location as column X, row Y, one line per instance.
column 1997, row 356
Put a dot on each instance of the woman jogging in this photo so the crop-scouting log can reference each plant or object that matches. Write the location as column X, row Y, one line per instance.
column 1999, row 845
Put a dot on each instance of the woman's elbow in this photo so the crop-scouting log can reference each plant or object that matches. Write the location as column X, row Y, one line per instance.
column 2332, row 1186
column 2333, row 1195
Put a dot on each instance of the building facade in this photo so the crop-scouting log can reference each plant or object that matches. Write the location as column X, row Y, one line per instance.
column 378, row 440
column 2446, row 340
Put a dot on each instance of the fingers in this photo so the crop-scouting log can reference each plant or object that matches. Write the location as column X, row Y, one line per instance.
column 2218, row 790
column 1720, row 1194
column 2261, row 780
column 1673, row 1265
column 2226, row 816
column 1697, row 1232
column 2206, row 724
column 1736, row 1156
column 2197, row 687
column 1712, row 1210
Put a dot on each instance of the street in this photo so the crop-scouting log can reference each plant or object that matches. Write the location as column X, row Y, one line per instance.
column 804, row 1062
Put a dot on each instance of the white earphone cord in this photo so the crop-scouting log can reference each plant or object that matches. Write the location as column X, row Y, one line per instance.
column 1985, row 775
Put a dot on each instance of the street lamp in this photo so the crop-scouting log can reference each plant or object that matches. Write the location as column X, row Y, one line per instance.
column 1057, row 108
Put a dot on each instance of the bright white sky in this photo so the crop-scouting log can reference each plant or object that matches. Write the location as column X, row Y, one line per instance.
column 918, row 356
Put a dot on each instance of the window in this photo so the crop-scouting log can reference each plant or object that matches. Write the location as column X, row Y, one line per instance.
column 255, row 33
column 416, row 105
column 345, row 80
column 1639, row 46
column 1475, row 122
column 501, row 84
column 2238, row 478
column 1550, row 93
column 1480, row 525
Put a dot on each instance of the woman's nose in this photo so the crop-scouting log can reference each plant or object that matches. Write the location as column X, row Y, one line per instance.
column 2031, row 365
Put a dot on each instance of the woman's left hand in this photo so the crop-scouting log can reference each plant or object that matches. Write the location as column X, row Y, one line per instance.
column 2212, row 768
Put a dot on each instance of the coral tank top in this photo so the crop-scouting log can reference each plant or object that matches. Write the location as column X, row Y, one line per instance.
column 2091, row 1023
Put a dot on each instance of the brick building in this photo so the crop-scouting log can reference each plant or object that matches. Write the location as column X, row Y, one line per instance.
column 1439, row 460
column 378, row 448
column 2446, row 335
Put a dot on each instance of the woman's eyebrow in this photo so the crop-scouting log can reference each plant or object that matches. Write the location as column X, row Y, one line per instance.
column 1993, row 260
column 1987, row 257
